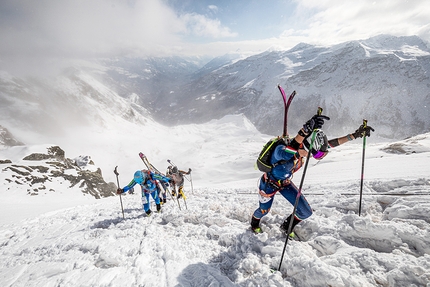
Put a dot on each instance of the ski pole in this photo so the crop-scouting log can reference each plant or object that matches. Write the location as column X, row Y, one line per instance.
column 299, row 193
column 183, row 195
column 120, row 199
column 175, row 196
column 181, row 191
column 191, row 181
column 362, row 165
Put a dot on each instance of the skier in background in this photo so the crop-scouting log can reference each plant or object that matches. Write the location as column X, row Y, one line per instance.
column 177, row 177
column 287, row 159
column 147, row 181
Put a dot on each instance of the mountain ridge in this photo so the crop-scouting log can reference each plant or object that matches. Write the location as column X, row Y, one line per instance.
column 383, row 79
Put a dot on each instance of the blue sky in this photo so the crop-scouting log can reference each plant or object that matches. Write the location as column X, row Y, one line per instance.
column 240, row 20
column 32, row 31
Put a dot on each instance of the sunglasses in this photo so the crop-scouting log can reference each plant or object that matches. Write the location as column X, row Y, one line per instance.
column 319, row 154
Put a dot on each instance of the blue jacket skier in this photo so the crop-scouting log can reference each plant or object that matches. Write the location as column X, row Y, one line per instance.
column 287, row 159
column 148, row 183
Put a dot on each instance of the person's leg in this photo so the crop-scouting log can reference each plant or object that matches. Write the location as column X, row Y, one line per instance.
column 145, row 202
column 181, row 192
column 303, row 210
column 265, row 198
column 156, row 198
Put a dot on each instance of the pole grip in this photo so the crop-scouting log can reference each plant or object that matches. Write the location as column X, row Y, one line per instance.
column 364, row 126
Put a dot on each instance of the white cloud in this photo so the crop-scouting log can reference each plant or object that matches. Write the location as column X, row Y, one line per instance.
column 37, row 30
column 200, row 25
column 336, row 21
column 34, row 31
column 213, row 8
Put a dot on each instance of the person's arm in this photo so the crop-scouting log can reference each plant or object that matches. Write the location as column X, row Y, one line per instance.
column 359, row 133
column 161, row 177
column 127, row 187
column 338, row 141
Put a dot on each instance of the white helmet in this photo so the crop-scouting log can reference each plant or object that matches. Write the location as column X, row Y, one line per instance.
column 320, row 144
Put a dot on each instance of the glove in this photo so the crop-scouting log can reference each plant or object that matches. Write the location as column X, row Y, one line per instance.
column 189, row 170
column 363, row 131
column 316, row 122
column 119, row 191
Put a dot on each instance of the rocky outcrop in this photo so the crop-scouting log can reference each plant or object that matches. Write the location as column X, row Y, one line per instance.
column 52, row 171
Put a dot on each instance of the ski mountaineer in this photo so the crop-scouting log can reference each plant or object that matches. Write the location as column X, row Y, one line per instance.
column 287, row 159
column 177, row 177
column 147, row 181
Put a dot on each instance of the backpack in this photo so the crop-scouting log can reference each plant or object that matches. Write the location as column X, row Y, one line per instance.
column 263, row 160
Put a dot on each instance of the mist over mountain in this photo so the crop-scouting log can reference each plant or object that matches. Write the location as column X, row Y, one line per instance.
column 384, row 79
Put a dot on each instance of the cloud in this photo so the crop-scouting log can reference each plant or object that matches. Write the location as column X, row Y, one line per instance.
column 43, row 33
column 200, row 25
column 84, row 28
column 36, row 32
column 213, row 8
column 334, row 21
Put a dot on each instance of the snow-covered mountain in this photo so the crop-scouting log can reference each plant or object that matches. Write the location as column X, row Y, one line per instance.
column 89, row 93
column 383, row 79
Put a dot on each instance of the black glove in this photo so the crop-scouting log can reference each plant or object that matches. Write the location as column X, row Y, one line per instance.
column 316, row 122
column 119, row 191
column 363, row 131
column 189, row 170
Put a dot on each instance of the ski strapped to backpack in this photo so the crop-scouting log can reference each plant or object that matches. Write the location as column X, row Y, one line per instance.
column 263, row 161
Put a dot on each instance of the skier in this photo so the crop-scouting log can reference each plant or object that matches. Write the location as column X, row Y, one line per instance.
column 287, row 159
column 147, row 181
column 177, row 177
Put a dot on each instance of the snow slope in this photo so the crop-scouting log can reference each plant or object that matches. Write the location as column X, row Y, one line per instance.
column 208, row 243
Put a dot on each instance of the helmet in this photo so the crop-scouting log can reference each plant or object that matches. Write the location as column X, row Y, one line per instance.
column 139, row 177
column 320, row 146
column 175, row 169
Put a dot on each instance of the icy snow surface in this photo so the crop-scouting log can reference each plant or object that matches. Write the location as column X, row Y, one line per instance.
column 64, row 238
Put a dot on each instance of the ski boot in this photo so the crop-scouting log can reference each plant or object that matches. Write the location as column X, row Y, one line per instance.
column 255, row 225
column 284, row 226
column 158, row 207
column 181, row 194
